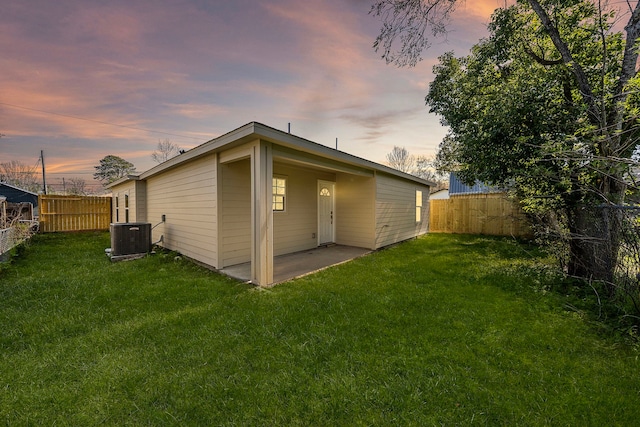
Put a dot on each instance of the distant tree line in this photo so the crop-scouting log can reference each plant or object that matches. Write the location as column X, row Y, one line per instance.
column 421, row 166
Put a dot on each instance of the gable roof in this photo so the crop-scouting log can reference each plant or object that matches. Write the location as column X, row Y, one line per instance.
column 255, row 130
column 5, row 184
column 15, row 194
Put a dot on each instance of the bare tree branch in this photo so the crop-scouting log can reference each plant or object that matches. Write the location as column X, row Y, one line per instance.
column 540, row 60
column 567, row 57
column 400, row 159
column 405, row 24
column 165, row 150
column 630, row 51
column 20, row 175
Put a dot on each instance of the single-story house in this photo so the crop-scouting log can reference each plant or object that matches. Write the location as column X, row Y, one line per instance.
column 14, row 194
column 258, row 192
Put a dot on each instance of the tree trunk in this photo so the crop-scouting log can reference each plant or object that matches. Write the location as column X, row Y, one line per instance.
column 594, row 242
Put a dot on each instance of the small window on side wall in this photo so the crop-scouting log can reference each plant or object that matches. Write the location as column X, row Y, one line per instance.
column 279, row 194
column 418, row 206
column 117, row 209
column 126, row 208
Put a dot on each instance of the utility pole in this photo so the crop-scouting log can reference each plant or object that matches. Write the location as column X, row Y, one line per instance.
column 44, row 181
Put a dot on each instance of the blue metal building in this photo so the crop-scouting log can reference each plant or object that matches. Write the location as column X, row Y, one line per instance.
column 457, row 187
column 18, row 195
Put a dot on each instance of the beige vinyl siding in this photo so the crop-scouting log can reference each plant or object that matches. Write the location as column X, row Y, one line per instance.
column 139, row 202
column 396, row 210
column 119, row 214
column 187, row 196
column 295, row 228
column 235, row 212
column 355, row 210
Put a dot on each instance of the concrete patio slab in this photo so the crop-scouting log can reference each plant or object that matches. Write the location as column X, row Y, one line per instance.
column 290, row 266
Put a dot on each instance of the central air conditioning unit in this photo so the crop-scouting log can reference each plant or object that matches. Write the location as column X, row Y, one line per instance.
column 130, row 239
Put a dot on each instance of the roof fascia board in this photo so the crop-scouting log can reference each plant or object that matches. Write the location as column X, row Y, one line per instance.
column 234, row 137
column 18, row 188
column 123, row 180
column 407, row 176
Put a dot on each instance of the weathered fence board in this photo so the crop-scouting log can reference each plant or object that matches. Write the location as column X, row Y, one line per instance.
column 7, row 239
column 18, row 232
column 492, row 214
column 74, row 213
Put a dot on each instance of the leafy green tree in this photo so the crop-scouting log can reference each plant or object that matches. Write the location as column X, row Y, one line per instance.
column 112, row 168
column 546, row 105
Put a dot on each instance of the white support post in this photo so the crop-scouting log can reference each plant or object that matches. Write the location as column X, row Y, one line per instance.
column 261, row 214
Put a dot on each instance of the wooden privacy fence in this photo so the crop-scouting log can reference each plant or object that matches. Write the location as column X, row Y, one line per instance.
column 492, row 214
column 74, row 213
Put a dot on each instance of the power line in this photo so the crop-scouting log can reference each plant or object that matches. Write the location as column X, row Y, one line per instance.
column 37, row 164
column 99, row 121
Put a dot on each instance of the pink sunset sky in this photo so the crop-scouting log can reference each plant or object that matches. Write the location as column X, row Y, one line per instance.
column 85, row 79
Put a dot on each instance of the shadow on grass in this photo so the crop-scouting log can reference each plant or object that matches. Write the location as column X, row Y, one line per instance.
column 440, row 330
column 526, row 271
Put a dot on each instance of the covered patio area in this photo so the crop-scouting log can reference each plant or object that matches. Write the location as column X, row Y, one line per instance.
column 290, row 266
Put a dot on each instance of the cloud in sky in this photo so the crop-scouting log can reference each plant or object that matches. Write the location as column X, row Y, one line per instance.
column 196, row 70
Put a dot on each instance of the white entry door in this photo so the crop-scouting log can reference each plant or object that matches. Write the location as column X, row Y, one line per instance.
column 326, row 212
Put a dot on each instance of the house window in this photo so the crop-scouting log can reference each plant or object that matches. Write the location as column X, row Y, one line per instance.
column 279, row 192
column 418, row 206
column 117, row 209
column 126, row 208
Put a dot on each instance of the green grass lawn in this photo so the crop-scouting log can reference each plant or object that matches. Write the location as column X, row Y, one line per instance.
column 442, row 330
